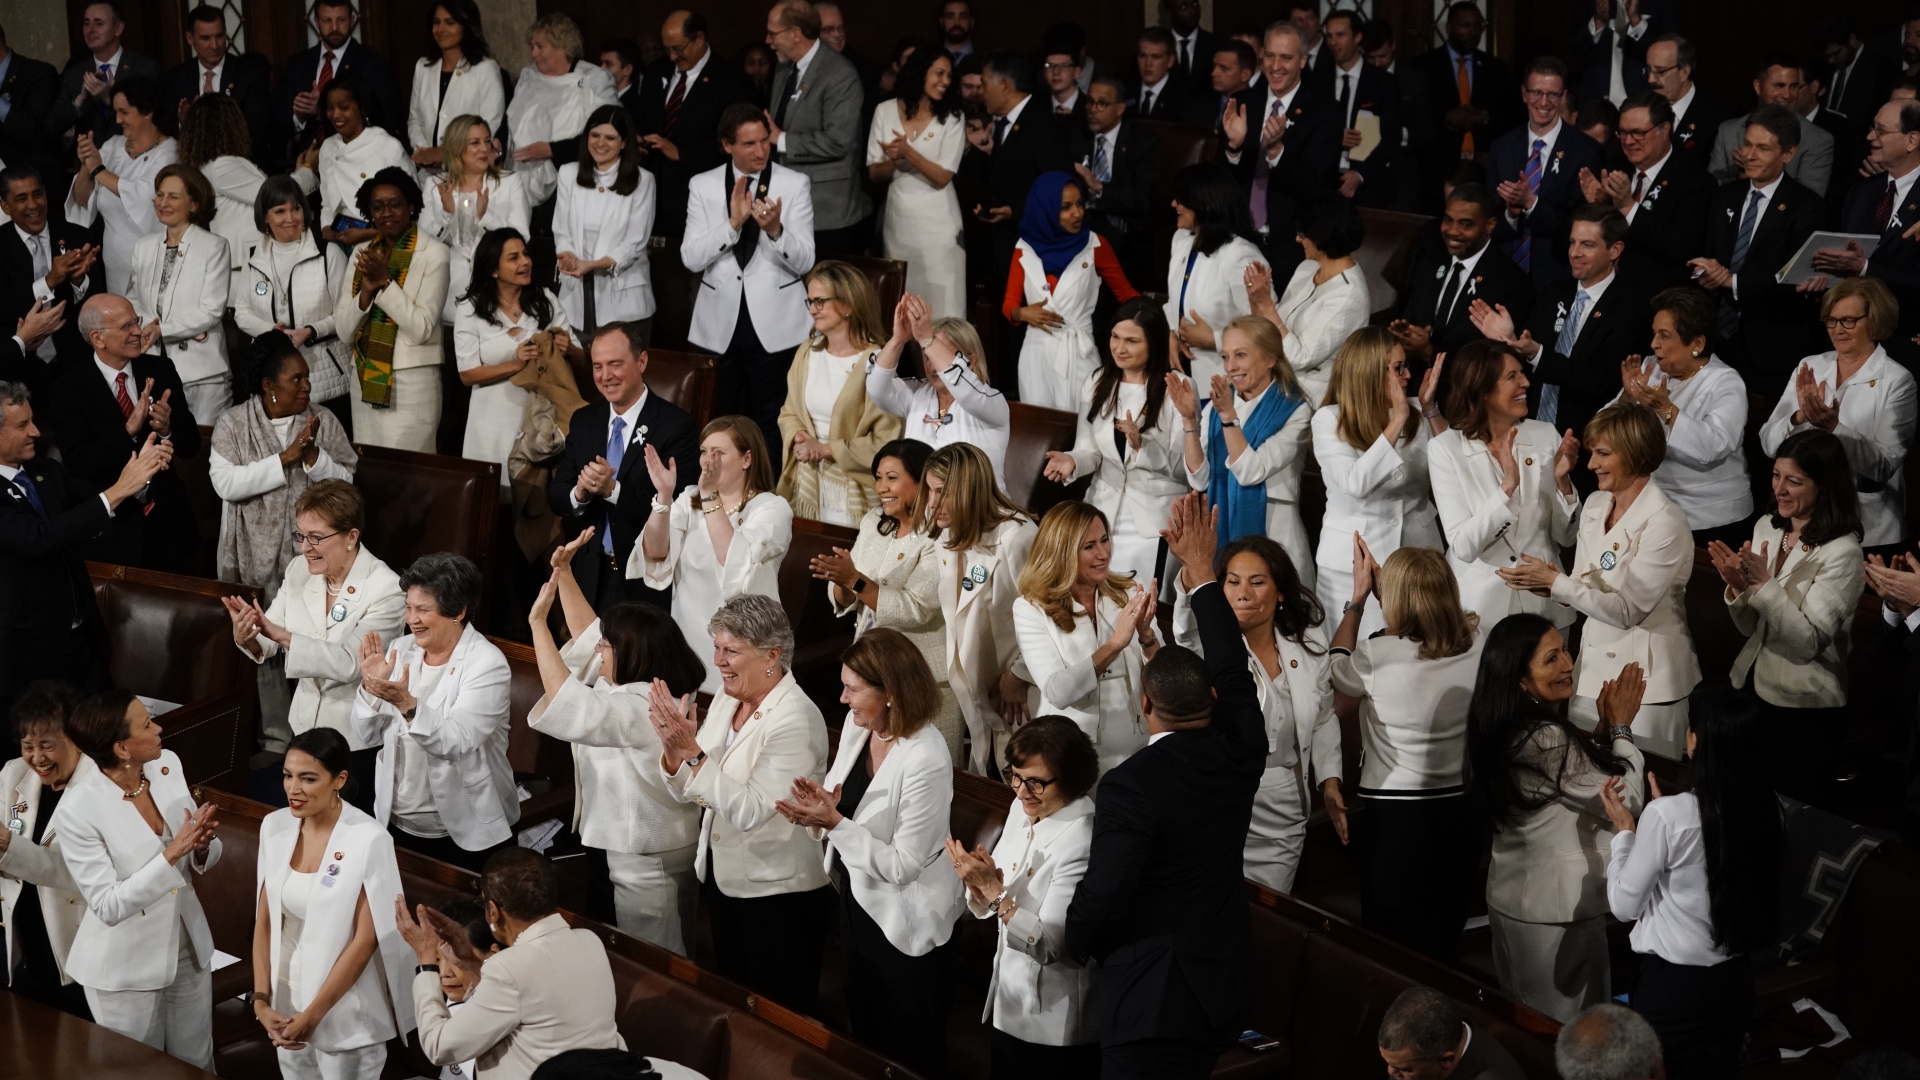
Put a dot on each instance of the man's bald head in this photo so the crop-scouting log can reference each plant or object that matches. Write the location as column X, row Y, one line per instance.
column 109, row 324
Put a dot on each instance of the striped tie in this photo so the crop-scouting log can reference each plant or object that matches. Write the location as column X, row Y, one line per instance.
column 673, row 101
column 1523, row 247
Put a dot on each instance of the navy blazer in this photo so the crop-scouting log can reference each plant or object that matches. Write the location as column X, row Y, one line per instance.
column 1550, row 221
column 44, row 586
column 1309, row 164
column 1777, row 322
column 665, row 426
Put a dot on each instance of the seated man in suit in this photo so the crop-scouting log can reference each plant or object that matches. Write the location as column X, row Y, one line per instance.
column 680, row 101
column 1158, row 95
column 1282, row 139
column 1662, row 194
column 85, row 100
column 1117, row 163
column 29, row 87
column 1060, row 70
column 103, row 407
column 1778, row 80
column 247, row 78
column 53, row 629
column 42, row 261
column 1163, row 903
column 1359, row 87
column 602, row 479
column 1435, row 312
column 1535, row 169
column 1885, row 206
column 1423, row 1036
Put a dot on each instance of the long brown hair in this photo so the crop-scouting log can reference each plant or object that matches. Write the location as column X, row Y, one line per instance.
column 748, row 440
column 1474, row 371
column 213, row 127
column 850, row 287
column 971, row 496
column 1053, row 565
column 1152, row 322
column 1359, row 387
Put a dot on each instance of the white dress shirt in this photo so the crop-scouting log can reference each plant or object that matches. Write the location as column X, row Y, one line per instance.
column 40, row 246
column 1275, row 105
column 1681, row 106
column 1546, row 140
column 1150, row 95
column 1466, row 263
column 1901, row 186
column 1653, row 178
column 1657, row 879
column 631, row 419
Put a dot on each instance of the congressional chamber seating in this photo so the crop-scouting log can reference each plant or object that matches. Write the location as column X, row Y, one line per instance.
column 674, row 287
column 1385, row 255
column 819, row 635
column 684, row 378
column 1032, row 432
column 422, row 503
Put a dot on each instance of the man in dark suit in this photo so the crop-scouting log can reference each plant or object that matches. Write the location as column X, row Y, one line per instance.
column 1861, row 77
column 1754, row 226
column 1234, row 66
column 1473, row 92
column 681, row 98
column 103, row 407
column 1419, row 127
column 1157, row 94
column 1358, row 87
column 18, row 364
column 1117, row 163
column 1535, row 169
column 1662, row 194
column 28, row 90
column 1305, row 15
column 1282, row 140
column 602, row 479
column 1849, row 138
column 85, row 100
column 1194, row 48
column 1885, row 206
column 1060, row 74
column 1423, row 1036
column 1696, row 117
column 1608, row 43
column 245, row 77
column 298, row 112
column 620, row 58
column 1163, row 903
column 1435, row 311
column 1027, row 140
column 51, row 262
column 52, row 626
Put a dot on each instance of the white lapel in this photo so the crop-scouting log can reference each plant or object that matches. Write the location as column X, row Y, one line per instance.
column 750, row 731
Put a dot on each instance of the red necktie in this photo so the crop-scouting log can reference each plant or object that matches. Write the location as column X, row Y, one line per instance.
column 673, row 100
column 326, row 72
column 1883, row 210
column 1639, row 185
column 120, row 396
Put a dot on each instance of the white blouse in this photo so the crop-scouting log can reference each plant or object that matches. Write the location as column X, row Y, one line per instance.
column 1318, row 319
column 495, row 411
column 129, row 214
column 700, row 579
column 979, row 414
column 1657, row 879
column 1413, row 715
column 345, row 166
column 1705, row 470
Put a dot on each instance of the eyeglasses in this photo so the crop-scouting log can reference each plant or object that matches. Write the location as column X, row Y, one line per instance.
column 316, row 539
column 1844, row 322
column 1032, row 785
column 1096, row 103
column 1633, row 134
column 818, row 303
column 1661, row 72
column 1543, row 95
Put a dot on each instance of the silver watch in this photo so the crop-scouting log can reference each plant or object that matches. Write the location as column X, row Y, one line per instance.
column 1620, row 731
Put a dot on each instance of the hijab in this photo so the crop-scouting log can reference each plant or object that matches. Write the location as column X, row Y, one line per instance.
column 1040, row 224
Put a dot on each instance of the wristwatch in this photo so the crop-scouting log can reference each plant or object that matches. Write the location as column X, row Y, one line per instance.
column 1620, row 731
column 696, row 760
column 255, row 997
column 1229, row 423
column 859, row 585
column 418, row 968
column 408, row 715
column 994, row 907
column 1350, row 607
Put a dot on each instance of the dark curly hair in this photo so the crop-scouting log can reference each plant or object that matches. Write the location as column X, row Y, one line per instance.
column 391, row 176
column 213, row 127
column 910, row 86
column 482, row 291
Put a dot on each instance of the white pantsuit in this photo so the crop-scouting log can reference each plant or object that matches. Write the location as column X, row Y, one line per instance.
column 1877, row 409
column 325, row 653
column 474, row 89
column 412, row 418
column 1134, row 488
column 1211, row 286
column 128, row 214
column 1277, row 463
column 189, row 310
column 977, row 589
column 40, row 865
column 1488, row 530
column 700, row 579
column 1039, row 993
column 1381, row 493
column 598, row 222
column 1105, row 705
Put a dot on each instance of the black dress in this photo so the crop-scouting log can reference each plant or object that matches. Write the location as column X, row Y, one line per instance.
column 38, row 975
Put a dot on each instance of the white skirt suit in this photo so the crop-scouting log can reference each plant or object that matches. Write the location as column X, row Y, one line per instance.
column 1380, row 493
column 325, row 653
column 1215, row 290
column 1488, row 530
column 415, row 306
column 40, row 865
column 621, row 803
column 461, row 725
column 143, row 950
column 128, row 215
column 358, row 861
column 507, row 208
column 495, row 411
column 1318, row 319
column 475, row 89
column 1630, row 582
column 1039, row 994
column 1105, row 706
column 600, row 223
column 977, row 589
column 189, row 309
column 1277, row 463
column 1136, row 488
column 1877, row 409
column 762, row 532
column 1799, row 623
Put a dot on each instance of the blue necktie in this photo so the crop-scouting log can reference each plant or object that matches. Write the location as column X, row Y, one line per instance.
column 25, row 483
column 616, row 450
column 1729, row 321
column 1102, row 168
column 1569, row 333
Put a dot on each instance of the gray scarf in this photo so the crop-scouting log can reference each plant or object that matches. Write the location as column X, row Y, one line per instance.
column 254, row 548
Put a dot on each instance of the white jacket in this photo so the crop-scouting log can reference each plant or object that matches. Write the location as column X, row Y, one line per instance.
column 27, row 863
column 626, row 291
column 1147, row 480
column 1380, row 492
column 325, row 654
column 1630, row 582
column 773, row 281
column 977, row 590
column 312, row 286
column 236, row 187
column 746, row 847
column 475, row 89
column 1039, row 993
column 128, row 214
column 1216, row 291
column 138, row 903
column 463, row 726
column 345, row 166
column 358, row 860
column 1318, row 319
column 415, row 307
column 190, row 309
column 1877, row 409
column 1305, row 729
column 1061, row 663
column 1799, row 623
column 1705, row 471
column 1488, row 530
column 894, row 844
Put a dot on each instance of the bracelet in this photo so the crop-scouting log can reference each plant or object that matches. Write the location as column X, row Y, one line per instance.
column 257, row 997
column 1620, row 731
column 96, row 171
column 994, row 907
column 660, row 507
column 1193, row 431
column 1430, row 411
column 1350, row 607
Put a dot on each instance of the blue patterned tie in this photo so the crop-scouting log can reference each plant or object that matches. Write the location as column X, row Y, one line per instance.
column 1549, row 408
column 1100, row 165
column 1729, row 322
column 616, row 450
column 25, row 483
column 1523, row 247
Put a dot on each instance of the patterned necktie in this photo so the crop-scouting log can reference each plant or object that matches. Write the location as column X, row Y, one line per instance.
column 1257, row 197
column 1523, row 246
column 1747, row 222
column 120, row 396
column 1465, row 82
column 1639, row 186
column 1102, row 168
column 1549, row 408
column 1883, row 210
column 25, row 483
column 616, row 451
column 674, row 99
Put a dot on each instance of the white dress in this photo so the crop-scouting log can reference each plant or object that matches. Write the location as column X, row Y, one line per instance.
column 1318, row 319
column 922, row 226
column 762, row 531
column 1380, row 493
column 827, row 375
column 345, row 166
column 552, row 108
column 461, row 230
column 494, row 411
column 128, row 215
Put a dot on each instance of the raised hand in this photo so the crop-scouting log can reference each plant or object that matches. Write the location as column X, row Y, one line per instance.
column 421, row 934
column 1430, row 383
column 1185, row 401
column 739, row 204
column 245, row 629
column 976, row 870
column 1194, row 332
column 138, row 419
column 767, row 213
column 40, row 323
column 1222, row 398
column 1591, row 188
column 562, row 558
column 663, row 474
column 676, row 722
column 1564, row 459
column 194, row 834
column 1059, row 467
column 1130, row 427
column 596, row 481
column 1233, row 124
column 142, row 466
column 837, row 567
column 1501, row 446
column 1616, row 806
column 268, row 629
column 1398, row 411
column 1259, row 281
column 919, row 316
column 1414, row 339
column 1530, row 575
column 1192, row 537
column 160, row 413
column 1757, row 565
column 1492, row 320
column 1728, row 562
column 375, row 663
column 1366, row 572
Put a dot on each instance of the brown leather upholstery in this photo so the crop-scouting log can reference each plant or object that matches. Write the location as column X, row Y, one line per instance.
column 888, row 278
column 422, row 503
column 685, row 379
column 1033, row 432
column 674, row 288
column 820, row 637
column 1386, row 253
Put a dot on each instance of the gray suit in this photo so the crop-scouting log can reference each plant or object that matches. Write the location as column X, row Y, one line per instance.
column 825, row 131
column 1811, row 166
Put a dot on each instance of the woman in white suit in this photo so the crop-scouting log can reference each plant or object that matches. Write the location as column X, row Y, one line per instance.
column 335, row 592
column 358, row 150
column 286, row 282
column 1131, row 441
column 1630, row 574
column 602, row 225
column 1207, row 274
column 1038, row 1002
column 1084, row 631
column 883, row 812
column 460, row 78
column 39, row 903
column 983, row 543
column 470, row 199
column 1793, row 590
column 1863, row 397
column 389, row 311
column 1326, row 300
column 1501, row 482
column 133, row 839
column 181, row 276
column 1372, row 448
column 766, row 890
column 328, row 960
column 436, row 704
column 956, row 401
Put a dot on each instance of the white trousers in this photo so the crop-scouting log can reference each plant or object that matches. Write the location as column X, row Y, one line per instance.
column 1279, row 829
column 177, row 1019
column 1557, row 968
column 311, row 1064
column 1659, row 728
column 209, row 397
column 412, row 420
column 654, row 896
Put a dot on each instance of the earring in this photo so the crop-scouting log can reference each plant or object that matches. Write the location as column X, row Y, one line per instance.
column 769, row 673
column 273, row 398
column 1696, row 354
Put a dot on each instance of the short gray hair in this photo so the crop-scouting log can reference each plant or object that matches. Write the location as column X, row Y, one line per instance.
column 759, row 621
column 1607, row 1042
column 13, row 393
column 1422, row 1020
column 452, row 580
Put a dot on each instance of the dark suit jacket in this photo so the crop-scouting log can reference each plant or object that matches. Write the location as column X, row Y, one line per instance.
column 1594, row 56
column 1776, row 321
column 672, row 434
column 1309, row 164
column 247, row 78
column 1495, row 280
column 693, row 132
column 16, row 288
column 1125, row 206
column 1552, row 215
column 1487, row 1059
column 1864, row 89
column 99, row 115
column 630, row 99
column 1494, row 93
column 1694, row 133
column 1198, row 72
column 1896, row 261
column 1176, row 103
column 31, row 88
column 1163, row 903
column 1036, row 144
column 1671, row 225
column 1620, row 325
column 355, row 59
column 43, row 576
column 161, row 533
column 1849, row 150
column 1376, row 92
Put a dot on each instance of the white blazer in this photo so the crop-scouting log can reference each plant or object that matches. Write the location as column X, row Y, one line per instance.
column 1381, row 493
column 763, row 530
column 1039, row 993
column 1061, row 663
column 415, row 307
column 475, row 89
column 1799, row 624
column 1304, row 728
column 138, row 903
column 1877, row 409
column 1147, row 480
column 27, row 863
column 1216, row 291
column 1705, row 471
column 312, row 284
column 745, row 845
column 358, row 860
column 977, row 589
column 190, row 309
column 1486, row 530
column 894, row 844
column 325, row 654
column 1318, row 319
column 344, row 166
column 774, row 281
column 463, row 726
column 626, row 291
column 1631, row 583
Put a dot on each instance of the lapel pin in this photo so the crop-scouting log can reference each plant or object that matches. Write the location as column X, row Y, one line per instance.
column 338, row 855
column 1871, row 383
column 164, row 770
column 349, row 590
column 1782, row 206
column 1529, row 461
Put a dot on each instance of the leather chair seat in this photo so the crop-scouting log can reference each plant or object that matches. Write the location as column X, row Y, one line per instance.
column 1031, row 433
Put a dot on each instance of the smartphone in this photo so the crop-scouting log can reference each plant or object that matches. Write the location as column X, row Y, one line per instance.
column 343, row 223
column 1257, row 1042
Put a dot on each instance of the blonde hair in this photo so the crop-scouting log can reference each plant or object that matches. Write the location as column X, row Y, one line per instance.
column 1359, row 387
column 970, row 494
column 1883, row 311
column 453, row 149
column 1421, row 600
column 1637, row 437
column 1053, row 564
column 561, row 32
column 848, row 286
column 966, row 339
column 1267, row 340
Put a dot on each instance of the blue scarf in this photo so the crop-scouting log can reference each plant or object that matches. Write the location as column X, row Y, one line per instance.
column 1040, row 224
column 1243, row 508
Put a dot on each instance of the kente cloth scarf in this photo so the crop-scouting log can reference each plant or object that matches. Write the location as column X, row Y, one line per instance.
column 1040, row 224
column 1243, row 507
column 374, row 340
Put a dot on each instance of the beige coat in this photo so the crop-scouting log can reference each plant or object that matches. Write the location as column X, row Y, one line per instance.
column 415, row 307
column 1551, row 865
column 857, row 430
column 1799, row 623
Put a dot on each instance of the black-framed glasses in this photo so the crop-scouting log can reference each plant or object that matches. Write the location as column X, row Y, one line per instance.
column 818, row 303
column 301, row 539
column 1633, row 134
column 1661, row 72
column 1844, row 322
column 1543, row 95
column 1032, row 785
